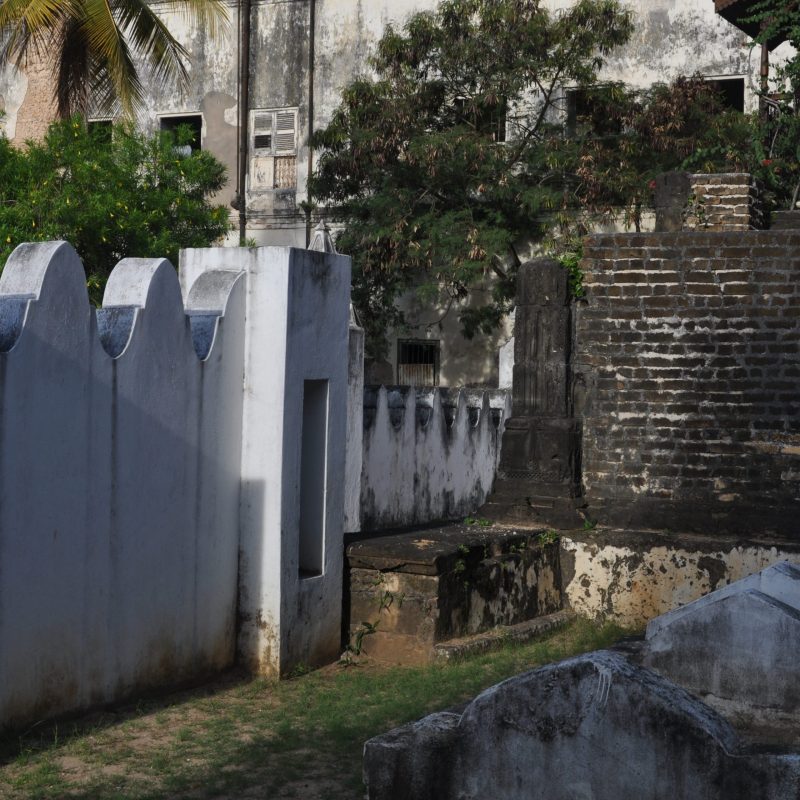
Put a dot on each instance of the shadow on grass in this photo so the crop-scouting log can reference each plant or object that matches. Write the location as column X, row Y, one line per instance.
column 49, row 733
column 298, row 738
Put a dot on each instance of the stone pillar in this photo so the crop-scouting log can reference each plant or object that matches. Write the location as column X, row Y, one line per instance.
column 672, row 192
column 705, row 202
column 539, row 474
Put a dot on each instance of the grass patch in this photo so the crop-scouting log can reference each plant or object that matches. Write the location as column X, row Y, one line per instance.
column 253, row 738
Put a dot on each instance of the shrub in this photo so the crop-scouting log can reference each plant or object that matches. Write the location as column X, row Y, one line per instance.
column 126, row 195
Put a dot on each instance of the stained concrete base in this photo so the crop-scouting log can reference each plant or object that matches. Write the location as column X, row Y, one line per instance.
column 633, row 576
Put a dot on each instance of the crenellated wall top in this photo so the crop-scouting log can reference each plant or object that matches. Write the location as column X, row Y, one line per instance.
column 43, row 295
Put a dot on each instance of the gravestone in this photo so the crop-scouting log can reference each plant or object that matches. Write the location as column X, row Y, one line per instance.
column 539, row 475
column 739, row 643
column 705, row 707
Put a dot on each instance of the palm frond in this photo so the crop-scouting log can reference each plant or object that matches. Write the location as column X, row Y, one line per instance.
column 151, row 40
column 212, row 15
column 97, row 44
column 72, row 70
column 30, row 25
column 111, row 68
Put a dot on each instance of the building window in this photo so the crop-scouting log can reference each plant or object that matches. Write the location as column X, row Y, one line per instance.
column 192, row 122
column 587, row 112
column 285, row 172
column 417, row 362
column 274, row 132
column 489, row 120
column 100, row 129
column 273, row 142
column 730, row 92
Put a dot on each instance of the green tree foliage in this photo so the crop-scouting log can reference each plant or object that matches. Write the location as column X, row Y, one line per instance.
column 777, row 147
column 95, row 44
column 625, row 138
column 412, row 159
column 110, row 197
column 434, row 196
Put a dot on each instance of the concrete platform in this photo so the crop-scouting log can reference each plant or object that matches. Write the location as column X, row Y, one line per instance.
column 415, row 589
column 410, row 591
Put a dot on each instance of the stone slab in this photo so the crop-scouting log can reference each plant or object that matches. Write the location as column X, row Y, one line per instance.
column 432, row 550
column 741, row 646
column 483, row 642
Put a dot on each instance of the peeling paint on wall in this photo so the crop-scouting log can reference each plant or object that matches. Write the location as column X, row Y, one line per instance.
column 633, row 577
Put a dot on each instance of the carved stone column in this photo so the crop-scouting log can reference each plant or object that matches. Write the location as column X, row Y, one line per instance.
column 539, row 475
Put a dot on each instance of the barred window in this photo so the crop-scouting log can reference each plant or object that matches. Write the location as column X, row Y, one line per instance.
column 417, row 362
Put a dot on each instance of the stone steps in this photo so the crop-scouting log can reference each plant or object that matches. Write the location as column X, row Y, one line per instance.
column 497, row 637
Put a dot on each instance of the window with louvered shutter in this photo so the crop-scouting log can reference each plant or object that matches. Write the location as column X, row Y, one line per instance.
column 274, row 131
column 262, row 130
column 273, row 161
column 285, row 136
column 418, row 362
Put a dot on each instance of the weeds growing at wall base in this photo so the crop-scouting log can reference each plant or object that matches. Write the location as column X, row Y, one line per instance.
column 301, row 738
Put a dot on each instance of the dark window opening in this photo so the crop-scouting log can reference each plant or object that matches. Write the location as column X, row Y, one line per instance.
column 100, row 129
column 417, row 363
column 730, row 92
column 187, row 129
column 588, row 112
column 313, row 477
column 263, row 141
column 489, row 120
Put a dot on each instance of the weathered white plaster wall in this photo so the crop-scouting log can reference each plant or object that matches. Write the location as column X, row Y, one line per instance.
column 119, row 480
column 505, row 357
column 14, row 85
column 297, row 314
column 354, row 457
column 428, row 454
column 633, row 582
column 150, row 467
column 679, row 37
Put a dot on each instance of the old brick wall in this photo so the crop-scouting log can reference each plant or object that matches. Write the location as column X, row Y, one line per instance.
column 724, row 201
column 687, row 375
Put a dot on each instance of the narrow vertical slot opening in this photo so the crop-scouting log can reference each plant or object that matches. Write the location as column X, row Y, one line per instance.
column 313, row 477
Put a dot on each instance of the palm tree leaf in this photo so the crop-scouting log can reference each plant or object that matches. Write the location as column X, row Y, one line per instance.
column 151, row 40
column 72, row 70
column 30, row 24
column 97, row 44
column 113, row 69
column 212, row 15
